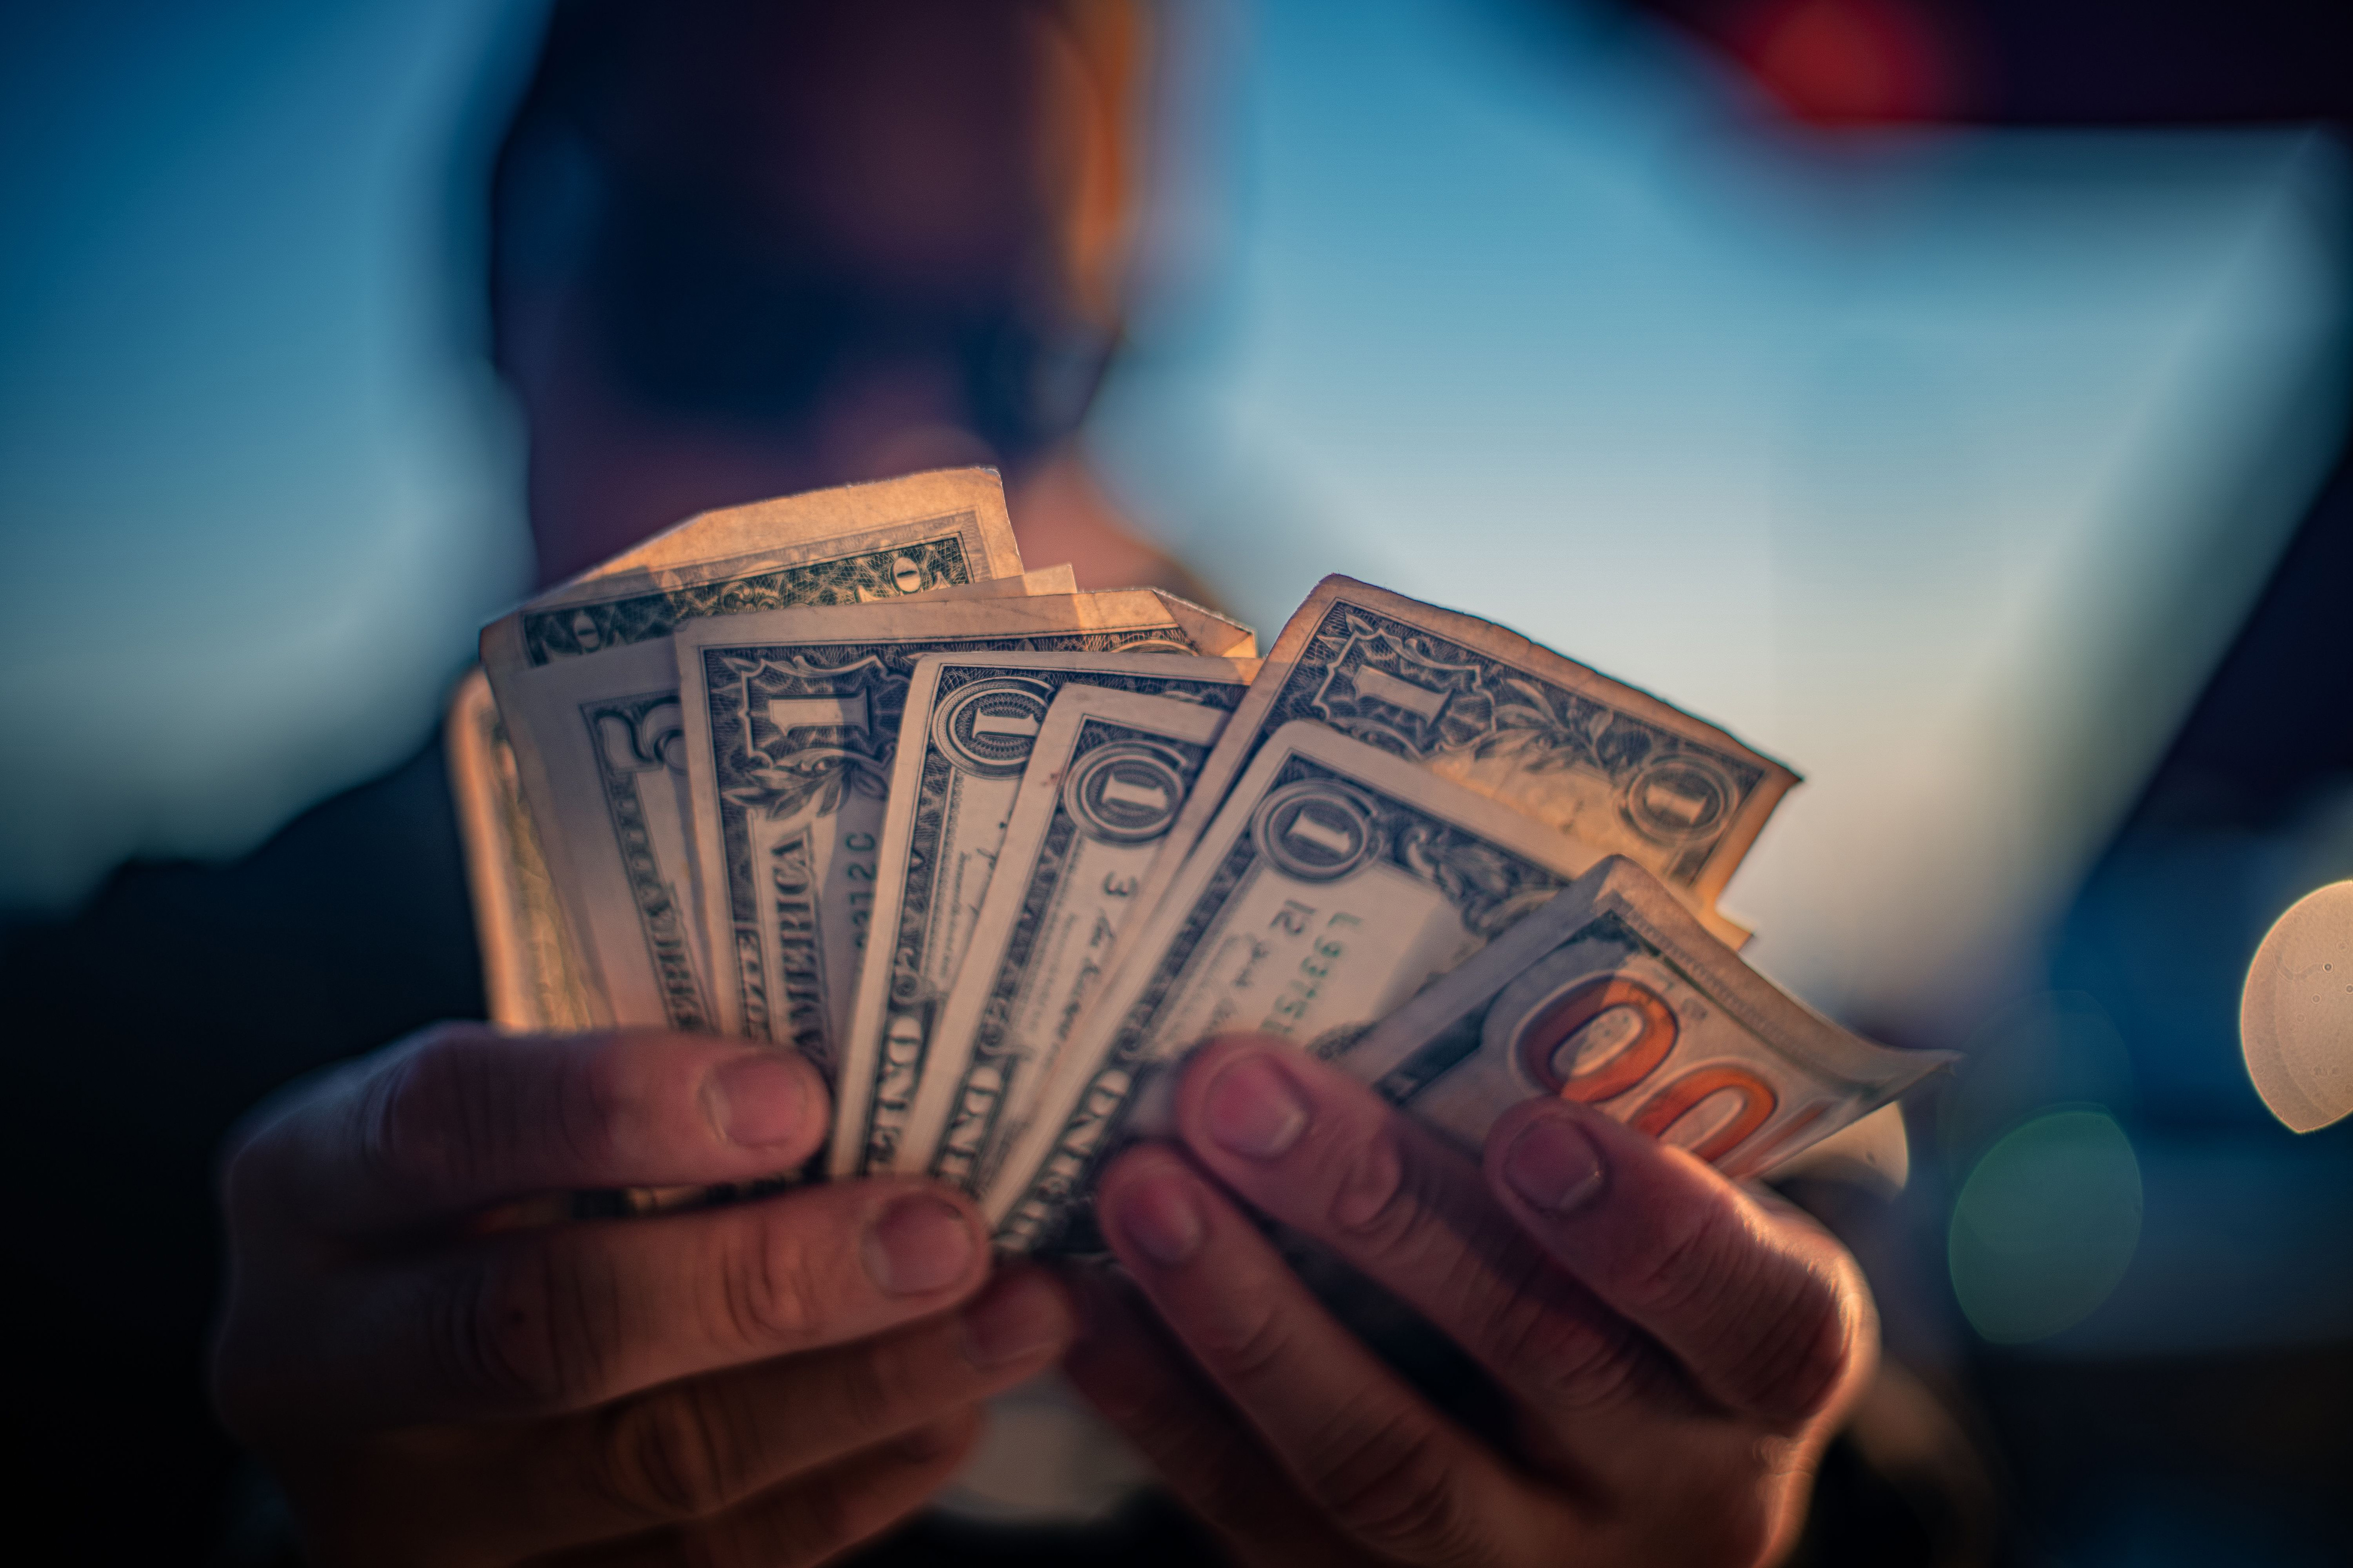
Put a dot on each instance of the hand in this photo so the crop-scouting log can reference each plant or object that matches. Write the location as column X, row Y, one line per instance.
column 1673, row 1351
column 769, row 1383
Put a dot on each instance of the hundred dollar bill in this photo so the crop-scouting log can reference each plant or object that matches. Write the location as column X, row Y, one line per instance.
column 1485, row 707
column 963, row 744
column 1337, row 881
column 528, row 975
column 792, row 725
column 588, row 688
column 1109, row 774
column 1612, row 994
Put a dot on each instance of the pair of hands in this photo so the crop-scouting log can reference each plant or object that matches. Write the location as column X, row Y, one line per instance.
column 434, row 1378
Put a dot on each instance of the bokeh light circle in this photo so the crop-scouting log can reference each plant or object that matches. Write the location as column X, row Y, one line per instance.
column 2045, row 1226
column 2296, row 1015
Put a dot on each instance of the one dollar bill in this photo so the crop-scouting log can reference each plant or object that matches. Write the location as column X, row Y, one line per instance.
column 1483, row 706
column 966, row 743
column 852, row 544
column 1110, row 771
column 587, row 686
column 792, row 728
column 1337, row 881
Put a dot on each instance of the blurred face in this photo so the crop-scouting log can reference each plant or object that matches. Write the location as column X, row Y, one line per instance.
column 744, row 249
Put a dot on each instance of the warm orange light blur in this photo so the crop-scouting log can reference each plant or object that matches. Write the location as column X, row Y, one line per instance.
column 1093, row 59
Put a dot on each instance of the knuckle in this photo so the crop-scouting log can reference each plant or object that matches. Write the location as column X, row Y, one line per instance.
column 419, row 1116
column 1803, row 1352
column 1776, row 1326
column 1514, row 1314
column 667, row 1456
column 1391, row 1204
column 1682, row 1264
column 1376, row 1200
column 531, row 1333
column 1580, row 1365
column 1573, row 1358
column 1388, row 1483
column 768, row 1295
column 604, row 1103
column 877, row 1389
column 1249, row 1344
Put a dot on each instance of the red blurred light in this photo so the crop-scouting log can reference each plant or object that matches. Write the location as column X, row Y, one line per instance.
column 1851, row 62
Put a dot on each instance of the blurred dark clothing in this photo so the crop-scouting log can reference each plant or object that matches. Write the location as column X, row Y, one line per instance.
column 145, row 1027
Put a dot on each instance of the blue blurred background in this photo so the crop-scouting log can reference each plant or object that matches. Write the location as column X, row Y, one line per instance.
column 1950, row 399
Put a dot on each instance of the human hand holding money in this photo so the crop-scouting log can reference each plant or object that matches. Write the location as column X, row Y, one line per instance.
column 1590, row 1348
column 817, row 772
column 438, row 1374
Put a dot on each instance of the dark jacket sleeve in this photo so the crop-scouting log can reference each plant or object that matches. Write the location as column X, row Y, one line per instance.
column 136, row 1033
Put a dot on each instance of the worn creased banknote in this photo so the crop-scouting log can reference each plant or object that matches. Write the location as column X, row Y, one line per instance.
column 792, row 727
column 529, row 976
column 1481, row 706
column 852, row 544
column 1335, row 882
column 587, row 686
column 1111, row 769
column 1613, row 995
column 964, row 746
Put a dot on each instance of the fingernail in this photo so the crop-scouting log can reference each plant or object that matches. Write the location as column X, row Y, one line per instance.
column 756, row 1100
column 1018, row 1318
column 1553, row 1166
column 1161, row 1216
column 1253, row 1112
column 918, row 1245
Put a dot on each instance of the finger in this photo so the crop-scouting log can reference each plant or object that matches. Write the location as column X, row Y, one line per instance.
column 1320, row 1152
column 695, row 1449
column 1387, row 1470
column 1192, row 1437
column 464, row 1116
column 812, row 1519
column 1769, row 1317
column 539, row 1322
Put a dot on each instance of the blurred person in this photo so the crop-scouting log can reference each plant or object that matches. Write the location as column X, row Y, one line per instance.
column 744, row 249
column 740, row 251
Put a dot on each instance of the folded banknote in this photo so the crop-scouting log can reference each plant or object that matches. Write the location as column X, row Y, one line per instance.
column 1613, row 995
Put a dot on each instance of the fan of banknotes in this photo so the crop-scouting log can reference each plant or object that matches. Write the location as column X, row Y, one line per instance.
column 834, row 772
